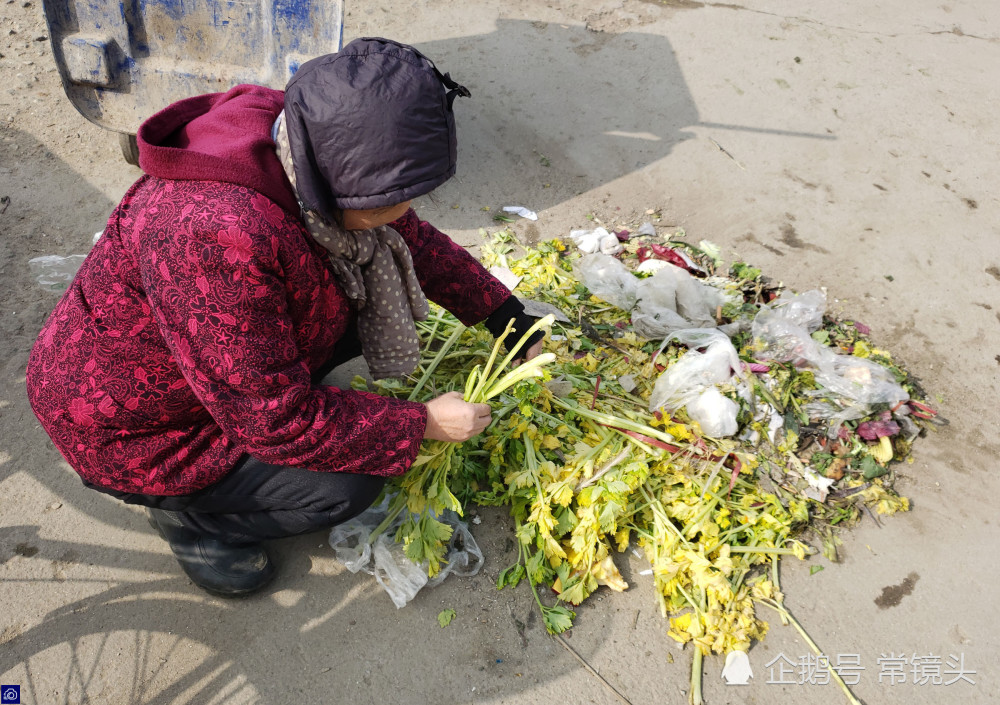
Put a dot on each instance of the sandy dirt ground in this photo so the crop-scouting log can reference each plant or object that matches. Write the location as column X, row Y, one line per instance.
column 850, row 145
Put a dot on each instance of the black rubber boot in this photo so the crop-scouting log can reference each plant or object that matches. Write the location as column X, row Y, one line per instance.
column 218, row 568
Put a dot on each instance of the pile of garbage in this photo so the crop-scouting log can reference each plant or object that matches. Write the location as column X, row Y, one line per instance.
column 703, row 416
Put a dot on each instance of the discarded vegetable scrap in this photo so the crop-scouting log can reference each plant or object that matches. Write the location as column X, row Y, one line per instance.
column 750, row 419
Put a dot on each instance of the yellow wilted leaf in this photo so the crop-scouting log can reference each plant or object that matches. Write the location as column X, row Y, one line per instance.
column 541, row 515
column 553, row 551
column 679, row 628
column 763, row 590
column 677, row 430
column 724, row 563
column 550, row 442
column 520, row 477
column 548, row 471
column 622, row 538
column 607, row 573
column 890, row 505
column 416, row 503
column 563, row 494
column 589, row 363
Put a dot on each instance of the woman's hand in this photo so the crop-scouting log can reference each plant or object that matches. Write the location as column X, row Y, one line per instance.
column 452, row 419
column 533, row 351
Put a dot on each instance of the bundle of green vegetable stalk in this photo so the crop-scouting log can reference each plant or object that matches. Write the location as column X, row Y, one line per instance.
column 586, row 469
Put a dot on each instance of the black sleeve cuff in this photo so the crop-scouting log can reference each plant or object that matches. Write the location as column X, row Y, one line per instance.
column 497, row 321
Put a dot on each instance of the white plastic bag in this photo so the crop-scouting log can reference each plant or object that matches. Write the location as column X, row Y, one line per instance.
column 608, row 279
column 715, row 413
column 597, row 240
column 673, row 300
column 400, row 577
column 691, row 374
column 690, row 382
column 350, row 542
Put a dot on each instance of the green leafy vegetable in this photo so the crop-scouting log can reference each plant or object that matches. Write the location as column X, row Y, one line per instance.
column 445, row 617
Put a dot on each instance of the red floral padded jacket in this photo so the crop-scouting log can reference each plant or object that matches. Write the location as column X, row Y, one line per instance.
column 190, row 333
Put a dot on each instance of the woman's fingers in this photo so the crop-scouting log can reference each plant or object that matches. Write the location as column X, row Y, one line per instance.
column 534, row 350
column 483, row 417
column 450, row 418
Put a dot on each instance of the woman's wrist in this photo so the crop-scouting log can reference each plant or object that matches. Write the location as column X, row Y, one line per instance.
column 512, row 309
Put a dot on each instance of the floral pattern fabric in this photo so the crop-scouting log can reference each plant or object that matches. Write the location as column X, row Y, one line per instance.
column 190, row 334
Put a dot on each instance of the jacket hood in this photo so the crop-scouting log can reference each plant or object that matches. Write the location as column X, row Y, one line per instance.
column 370, row 126
column 219, row 137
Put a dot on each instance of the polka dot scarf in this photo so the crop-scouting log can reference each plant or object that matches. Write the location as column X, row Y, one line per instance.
column 375, row 269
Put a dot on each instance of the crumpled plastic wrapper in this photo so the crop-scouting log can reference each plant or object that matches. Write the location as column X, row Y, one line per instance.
column 384, row 558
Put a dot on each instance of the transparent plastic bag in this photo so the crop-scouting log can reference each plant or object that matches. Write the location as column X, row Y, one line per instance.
column 782, row 329
column 690, row 382
column 673, row 300
column 835, row 413
column 849, row 384
column 805, row 309
column 54, row 272
column 608, row 279
column 464, row 555
column 400, row 577
column 859, row 380
column 350, row 542
column 386, row 559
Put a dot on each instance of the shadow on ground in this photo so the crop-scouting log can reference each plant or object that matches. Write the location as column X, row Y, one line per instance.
column 566, row 109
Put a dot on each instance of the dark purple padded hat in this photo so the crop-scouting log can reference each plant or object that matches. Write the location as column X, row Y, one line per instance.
column 370, row 126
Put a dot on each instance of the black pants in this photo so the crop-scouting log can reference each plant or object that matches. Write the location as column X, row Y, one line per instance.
column 258, row 501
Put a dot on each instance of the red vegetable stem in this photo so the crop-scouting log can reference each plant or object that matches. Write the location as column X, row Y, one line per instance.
column 645, row 439
column 597, row 385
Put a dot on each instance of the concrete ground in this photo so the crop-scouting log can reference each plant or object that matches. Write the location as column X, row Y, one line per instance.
column 849, row 145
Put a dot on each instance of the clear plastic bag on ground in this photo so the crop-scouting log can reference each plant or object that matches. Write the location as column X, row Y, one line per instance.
column 386, row 559
column 673, row 300
column 859, row 380
column 54, row 272
column 849, row 384
column 782, row 329
column 690, row 382
column 400, row 577
column 608, row 279
column 805, row 309
column 835, row 413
